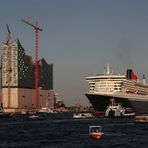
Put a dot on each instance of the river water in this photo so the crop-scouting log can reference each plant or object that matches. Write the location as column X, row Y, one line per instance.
column 65, row 132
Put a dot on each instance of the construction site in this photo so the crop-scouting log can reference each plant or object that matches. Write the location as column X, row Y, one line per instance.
column 25, row 84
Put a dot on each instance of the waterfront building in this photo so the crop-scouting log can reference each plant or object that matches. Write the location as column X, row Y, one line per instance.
column 18, row 83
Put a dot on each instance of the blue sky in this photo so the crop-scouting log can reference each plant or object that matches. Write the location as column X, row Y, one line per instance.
column 80, row 37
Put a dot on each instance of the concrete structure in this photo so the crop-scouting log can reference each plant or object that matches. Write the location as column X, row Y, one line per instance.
column 21, row 88
column 23, row 99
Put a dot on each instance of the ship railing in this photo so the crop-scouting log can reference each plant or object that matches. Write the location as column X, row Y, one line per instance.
column 130, row 94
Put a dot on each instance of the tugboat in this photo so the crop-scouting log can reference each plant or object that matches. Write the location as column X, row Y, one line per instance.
column 95, row 132
column 116, row 110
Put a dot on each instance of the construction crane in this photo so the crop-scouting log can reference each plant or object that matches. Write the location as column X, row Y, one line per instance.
column 8, row 68
column 37, row 29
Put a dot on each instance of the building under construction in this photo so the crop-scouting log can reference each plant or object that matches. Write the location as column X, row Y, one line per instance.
column 18, row 82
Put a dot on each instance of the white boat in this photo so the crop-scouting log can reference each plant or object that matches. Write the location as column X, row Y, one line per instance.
column 82, row 115
column 46, row 110
column 116, row 110
column 42, row 113
column 34, row 117
column 95, row 132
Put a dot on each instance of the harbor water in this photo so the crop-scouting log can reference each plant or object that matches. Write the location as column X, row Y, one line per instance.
column 64, row 132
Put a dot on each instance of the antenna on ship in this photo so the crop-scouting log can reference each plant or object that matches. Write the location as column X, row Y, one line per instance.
column 111, row 70
column 143, row 79
column 107, row 72
column 104, row 70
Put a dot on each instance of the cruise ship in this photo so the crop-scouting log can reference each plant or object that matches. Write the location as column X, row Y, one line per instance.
column 127, row 90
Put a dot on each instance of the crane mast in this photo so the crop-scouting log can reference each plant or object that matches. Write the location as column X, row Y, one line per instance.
column 8, row 68
column 37, row 29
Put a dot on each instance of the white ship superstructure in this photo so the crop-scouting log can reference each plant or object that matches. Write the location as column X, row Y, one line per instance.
column 105, row 84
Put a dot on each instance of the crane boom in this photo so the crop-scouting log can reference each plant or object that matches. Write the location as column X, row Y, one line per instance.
column 34, row 26
column 8, row 35
column 8, row 28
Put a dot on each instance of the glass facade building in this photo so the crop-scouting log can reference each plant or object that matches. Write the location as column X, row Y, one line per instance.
column 23, row 69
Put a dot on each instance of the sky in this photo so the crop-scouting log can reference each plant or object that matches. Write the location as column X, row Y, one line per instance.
column 80, row 37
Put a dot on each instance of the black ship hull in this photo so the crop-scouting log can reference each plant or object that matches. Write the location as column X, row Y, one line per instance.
column 100, row 103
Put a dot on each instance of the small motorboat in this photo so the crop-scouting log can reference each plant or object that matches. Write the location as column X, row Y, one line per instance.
column 95, row 132
column 34, row 117
column 141, row 119
column 46, row 110
column 82, row 115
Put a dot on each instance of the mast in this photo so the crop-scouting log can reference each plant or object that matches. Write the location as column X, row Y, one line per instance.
column 108, row 70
